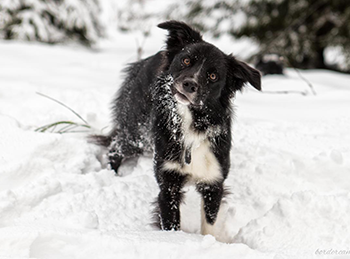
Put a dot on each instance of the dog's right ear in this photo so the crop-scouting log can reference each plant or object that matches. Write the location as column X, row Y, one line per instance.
column 180, row 34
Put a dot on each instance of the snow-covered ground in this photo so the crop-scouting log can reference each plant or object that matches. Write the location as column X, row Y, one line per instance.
column 290, row 176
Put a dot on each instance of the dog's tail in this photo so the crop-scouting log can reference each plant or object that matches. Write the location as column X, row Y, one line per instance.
column 100, row 140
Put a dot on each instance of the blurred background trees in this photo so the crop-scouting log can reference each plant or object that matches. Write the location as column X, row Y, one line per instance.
column 298, row 30
column 51, row 21
column 301, row 31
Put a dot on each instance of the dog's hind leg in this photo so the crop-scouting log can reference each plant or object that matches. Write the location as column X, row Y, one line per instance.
column 114, row 155
column 114, row 161
column 212, row 194
column 121, row 150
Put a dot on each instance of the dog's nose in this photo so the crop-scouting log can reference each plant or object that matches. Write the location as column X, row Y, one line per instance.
column 190, row 86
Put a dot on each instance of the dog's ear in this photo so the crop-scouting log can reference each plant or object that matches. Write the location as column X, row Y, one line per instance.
column 241, row 73
column 180, row 34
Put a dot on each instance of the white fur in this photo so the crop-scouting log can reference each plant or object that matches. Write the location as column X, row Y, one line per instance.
column 218, row 229
column 204, row 166
column 206, row 228
column 196, row 75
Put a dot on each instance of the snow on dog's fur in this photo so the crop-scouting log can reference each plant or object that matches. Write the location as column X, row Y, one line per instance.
column 177, row 104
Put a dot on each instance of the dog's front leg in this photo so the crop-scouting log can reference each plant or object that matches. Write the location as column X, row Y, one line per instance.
column 212, row 194
column 169, row 198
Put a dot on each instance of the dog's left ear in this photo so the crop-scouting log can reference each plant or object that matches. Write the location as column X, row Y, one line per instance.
column 180, row 34
column 242, row 73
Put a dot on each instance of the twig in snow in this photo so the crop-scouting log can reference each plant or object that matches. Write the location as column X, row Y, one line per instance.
column 139, row 46
column 285, row 92
column 304, row 79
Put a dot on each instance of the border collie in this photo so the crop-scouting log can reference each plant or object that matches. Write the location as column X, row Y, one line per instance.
column 177, row 104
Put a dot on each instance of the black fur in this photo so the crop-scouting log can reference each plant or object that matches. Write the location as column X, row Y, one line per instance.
column 189, row 74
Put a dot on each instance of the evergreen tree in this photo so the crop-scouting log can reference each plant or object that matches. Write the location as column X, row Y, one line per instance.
column 299, row 30
column 50, row 21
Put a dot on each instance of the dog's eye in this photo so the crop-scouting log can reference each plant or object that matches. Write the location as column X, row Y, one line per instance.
column 186, row 61
column 213, row 77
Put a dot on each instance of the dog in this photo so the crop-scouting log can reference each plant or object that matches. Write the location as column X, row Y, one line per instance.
column 178, row 105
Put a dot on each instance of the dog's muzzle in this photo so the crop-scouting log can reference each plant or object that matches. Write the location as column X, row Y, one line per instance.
column 186, row 92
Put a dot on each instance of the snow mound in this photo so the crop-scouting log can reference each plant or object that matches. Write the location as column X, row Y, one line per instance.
column 289, row 179
column 300, row 224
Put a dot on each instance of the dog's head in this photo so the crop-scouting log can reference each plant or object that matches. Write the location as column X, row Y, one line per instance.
column 202, row 73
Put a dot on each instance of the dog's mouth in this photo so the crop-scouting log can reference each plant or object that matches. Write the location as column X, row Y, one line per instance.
column 182, row 97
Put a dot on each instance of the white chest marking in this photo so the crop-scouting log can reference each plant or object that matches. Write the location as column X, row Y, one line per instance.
column 204, row 166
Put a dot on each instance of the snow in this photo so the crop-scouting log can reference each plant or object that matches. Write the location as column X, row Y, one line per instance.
column 289, row 181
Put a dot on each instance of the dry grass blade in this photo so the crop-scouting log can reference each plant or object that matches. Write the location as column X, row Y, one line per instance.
column 63, row 126
column 63, row 106
column 68, row 125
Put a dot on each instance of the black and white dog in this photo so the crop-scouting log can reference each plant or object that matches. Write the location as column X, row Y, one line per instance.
column 177, row 104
